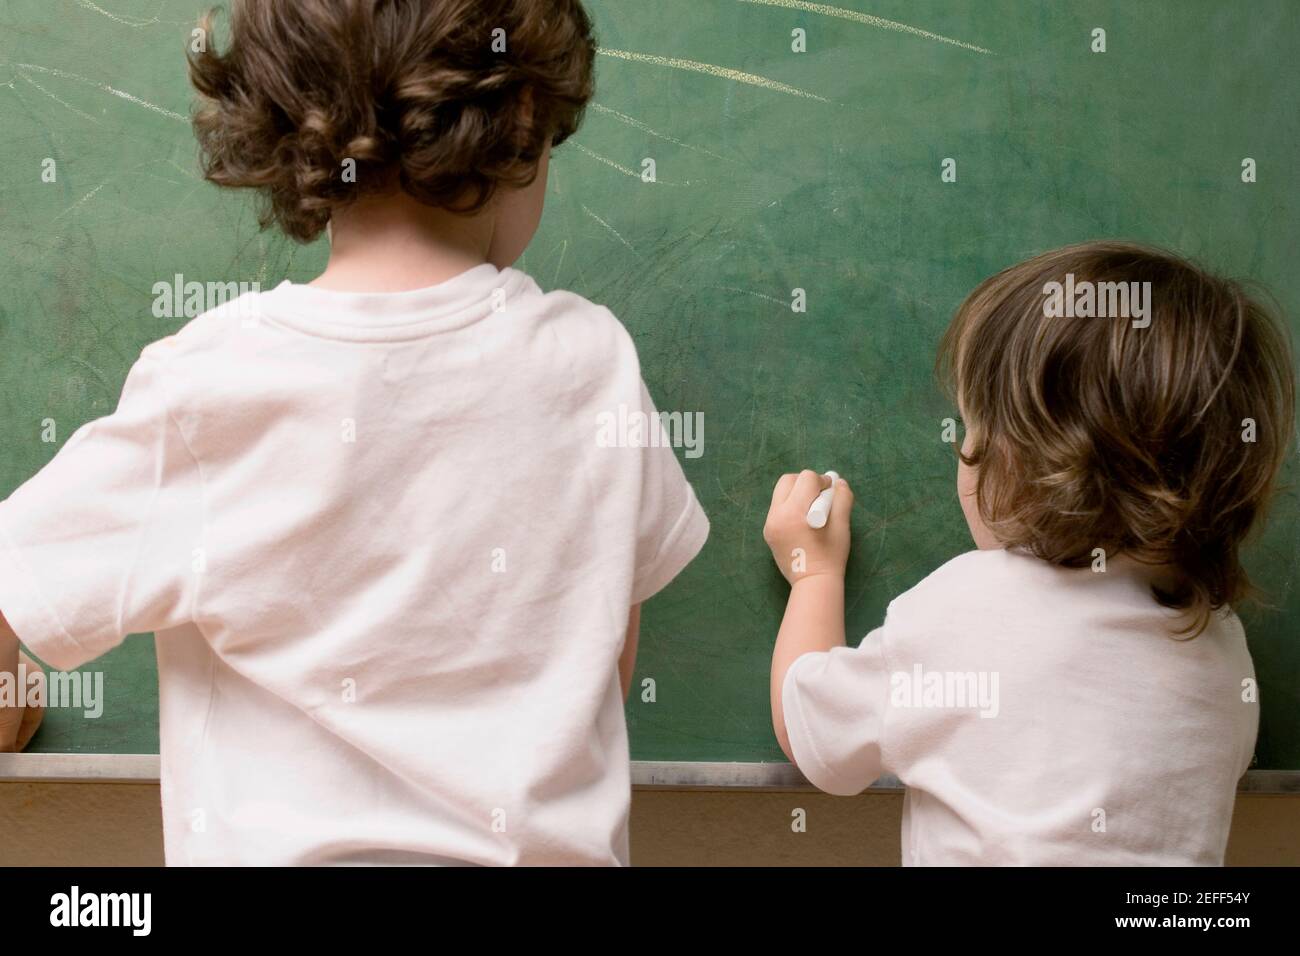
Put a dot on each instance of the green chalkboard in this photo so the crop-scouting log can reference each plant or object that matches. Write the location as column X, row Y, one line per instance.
column 775, row 170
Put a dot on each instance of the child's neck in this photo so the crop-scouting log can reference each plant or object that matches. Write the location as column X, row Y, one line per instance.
column 395, row 244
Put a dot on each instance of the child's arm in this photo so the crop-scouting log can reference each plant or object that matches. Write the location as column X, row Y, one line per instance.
column 17, row 723
column 813, row 561
column 627, row 659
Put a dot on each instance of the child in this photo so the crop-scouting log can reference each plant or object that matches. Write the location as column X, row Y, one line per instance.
column 394, row 577
column 1078, row 690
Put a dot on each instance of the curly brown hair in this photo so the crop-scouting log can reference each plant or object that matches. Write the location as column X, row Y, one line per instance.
column 1162, row 442
column 415, row 92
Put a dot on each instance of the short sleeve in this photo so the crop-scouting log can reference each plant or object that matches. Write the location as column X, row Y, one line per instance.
column 834, row 704
column 671, row 525
column 104, row 541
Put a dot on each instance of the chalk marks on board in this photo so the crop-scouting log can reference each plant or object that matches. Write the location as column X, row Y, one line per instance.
column 616, row 234
column 64, row 103
column 22, row 68
column 753, row 79
column 645, row 128
column 131, row 22
column 606, row 160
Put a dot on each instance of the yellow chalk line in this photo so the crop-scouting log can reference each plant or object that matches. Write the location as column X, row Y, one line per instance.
column 712, row 70
column 868, row 19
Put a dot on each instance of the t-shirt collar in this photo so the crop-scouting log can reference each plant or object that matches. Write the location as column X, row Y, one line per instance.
column 386, row 316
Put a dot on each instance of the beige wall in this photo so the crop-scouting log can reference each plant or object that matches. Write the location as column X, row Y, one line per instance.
column 118, row 824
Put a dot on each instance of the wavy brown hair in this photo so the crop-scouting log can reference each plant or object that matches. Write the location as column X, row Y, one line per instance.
column 1093, row 433
column 411, row 90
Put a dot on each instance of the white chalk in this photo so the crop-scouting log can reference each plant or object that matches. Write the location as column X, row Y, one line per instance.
column 820, row 512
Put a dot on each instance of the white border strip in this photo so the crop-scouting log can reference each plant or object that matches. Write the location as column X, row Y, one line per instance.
column 646, row 774
column 79, row 768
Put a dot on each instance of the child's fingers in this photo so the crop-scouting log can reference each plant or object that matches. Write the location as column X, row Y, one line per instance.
column 841, row 503
column 807, row 487
column 782, row 489
column 10, row 711
column 32, row 713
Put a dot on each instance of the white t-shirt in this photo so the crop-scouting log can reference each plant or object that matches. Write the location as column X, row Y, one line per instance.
column 388, row 563
column 1106, row 742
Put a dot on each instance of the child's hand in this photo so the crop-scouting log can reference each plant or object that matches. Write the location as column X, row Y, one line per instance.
column 18, row 722
column 801, row 551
